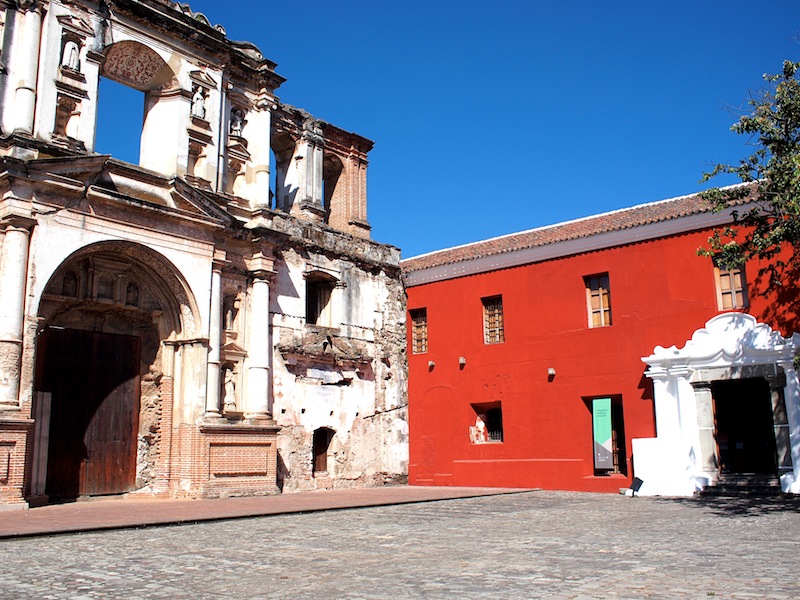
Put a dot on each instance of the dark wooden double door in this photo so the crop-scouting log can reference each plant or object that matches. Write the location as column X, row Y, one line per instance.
column 92, row 382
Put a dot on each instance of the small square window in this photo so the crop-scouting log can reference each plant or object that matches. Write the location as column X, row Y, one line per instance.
column 493, row 331
column 598, row 300
column 731, row 287
column 488, row 424
column 419, row 330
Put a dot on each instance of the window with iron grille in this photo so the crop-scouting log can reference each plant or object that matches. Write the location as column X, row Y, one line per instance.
column 419, row 330
column 598, row 300
column 731, row 288
column 493, row 332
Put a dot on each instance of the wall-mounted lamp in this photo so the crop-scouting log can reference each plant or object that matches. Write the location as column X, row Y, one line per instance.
column 551, row 374
column 462, row 362
column 431, row 364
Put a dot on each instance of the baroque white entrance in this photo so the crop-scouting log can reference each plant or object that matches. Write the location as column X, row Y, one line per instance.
column 683, row 457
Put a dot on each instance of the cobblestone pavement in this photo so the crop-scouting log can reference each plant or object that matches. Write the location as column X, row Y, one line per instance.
column 528, row 545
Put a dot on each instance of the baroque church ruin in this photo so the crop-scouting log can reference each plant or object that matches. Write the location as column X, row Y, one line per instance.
column 213, row 321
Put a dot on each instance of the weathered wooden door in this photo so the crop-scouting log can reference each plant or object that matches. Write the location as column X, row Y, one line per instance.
column 93, row 379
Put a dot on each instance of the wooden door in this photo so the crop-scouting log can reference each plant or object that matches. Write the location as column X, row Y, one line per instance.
column 94, row 382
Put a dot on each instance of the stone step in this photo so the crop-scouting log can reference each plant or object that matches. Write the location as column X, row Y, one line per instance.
column 744, row 484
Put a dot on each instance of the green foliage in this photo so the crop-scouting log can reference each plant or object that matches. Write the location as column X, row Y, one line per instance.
column 769, row 218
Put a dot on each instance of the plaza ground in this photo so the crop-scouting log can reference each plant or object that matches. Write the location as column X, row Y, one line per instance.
column 518, row 545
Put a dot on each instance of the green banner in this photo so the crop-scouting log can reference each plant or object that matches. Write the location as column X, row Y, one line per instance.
column 601, row 424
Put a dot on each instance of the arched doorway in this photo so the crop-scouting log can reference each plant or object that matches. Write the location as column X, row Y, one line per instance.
column 104, row 314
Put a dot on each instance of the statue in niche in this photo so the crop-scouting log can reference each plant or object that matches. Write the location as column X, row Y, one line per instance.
column 69, row 57
column 237, row 121
column 132, row 294
column 199, row 103
column 229, row 402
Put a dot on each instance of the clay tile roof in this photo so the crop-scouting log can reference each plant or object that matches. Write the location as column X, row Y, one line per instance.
column 625, row 218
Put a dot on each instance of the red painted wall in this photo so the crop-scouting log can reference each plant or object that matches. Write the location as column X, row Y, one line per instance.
column 661, row 292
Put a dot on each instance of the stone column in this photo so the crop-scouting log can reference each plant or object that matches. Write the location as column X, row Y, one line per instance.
column 780, row 422
column 792, row 401
column 707, row 460
column 215, row 340
column 256, row 402
column 27, row 66
column 13, row 281
column 259, row 147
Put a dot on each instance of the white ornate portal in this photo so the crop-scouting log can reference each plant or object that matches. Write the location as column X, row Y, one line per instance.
column 685, row 455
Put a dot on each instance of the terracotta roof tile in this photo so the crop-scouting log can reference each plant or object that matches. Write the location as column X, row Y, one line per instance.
column 625, row 218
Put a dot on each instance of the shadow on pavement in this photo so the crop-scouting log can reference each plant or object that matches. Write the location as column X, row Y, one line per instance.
column 743, row 505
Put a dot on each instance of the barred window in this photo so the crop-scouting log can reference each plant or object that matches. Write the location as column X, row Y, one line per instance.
column 493, row 320
column 419, row 330
column 598, row 300
column 731, row 288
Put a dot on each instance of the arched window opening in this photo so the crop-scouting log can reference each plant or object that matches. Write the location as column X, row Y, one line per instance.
column 321, row 445
column 118, row 135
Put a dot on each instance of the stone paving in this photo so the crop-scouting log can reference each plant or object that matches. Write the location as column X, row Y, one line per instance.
column 527, row 545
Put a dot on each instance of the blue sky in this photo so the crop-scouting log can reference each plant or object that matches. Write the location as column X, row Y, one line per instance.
column 494, row 117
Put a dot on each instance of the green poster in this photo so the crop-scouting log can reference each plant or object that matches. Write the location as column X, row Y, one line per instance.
column 601, row 422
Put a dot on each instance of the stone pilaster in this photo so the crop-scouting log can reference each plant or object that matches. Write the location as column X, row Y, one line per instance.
column 256, row 402
column 13, row 274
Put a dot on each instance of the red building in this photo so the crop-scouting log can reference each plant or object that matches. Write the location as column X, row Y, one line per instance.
column 526, row 363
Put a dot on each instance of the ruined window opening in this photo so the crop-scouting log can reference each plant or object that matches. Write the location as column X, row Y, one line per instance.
column 318, row 301
column 321, row 444
column 331, row 171
column 616, row 464
column 731, row 288
column 598, row 300
column 419, row 330
column 488, row 425
column 493, row 330
column 120, row 118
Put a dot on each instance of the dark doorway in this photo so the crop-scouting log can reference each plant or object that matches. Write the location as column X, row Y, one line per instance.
column 744, row 426
column 321, row 442
column 92, row 380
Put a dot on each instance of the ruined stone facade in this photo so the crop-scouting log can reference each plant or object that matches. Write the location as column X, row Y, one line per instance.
column 184, row 326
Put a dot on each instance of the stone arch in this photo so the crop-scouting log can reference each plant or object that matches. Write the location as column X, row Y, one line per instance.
column 731, row 346
column 134, row 64
column 99, row 364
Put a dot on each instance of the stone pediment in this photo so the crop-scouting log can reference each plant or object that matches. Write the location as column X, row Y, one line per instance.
column 76, row 24
column 203, row 79
column 233, row 349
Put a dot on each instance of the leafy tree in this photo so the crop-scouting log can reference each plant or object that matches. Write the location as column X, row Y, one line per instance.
column 766, row 215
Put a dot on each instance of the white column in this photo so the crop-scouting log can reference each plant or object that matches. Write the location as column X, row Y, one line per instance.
column 214, row 342
column 27, row 59
column 259, row 145
column 256, row 404
column 13, row 279
column 792, row 400
column 666, row 405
